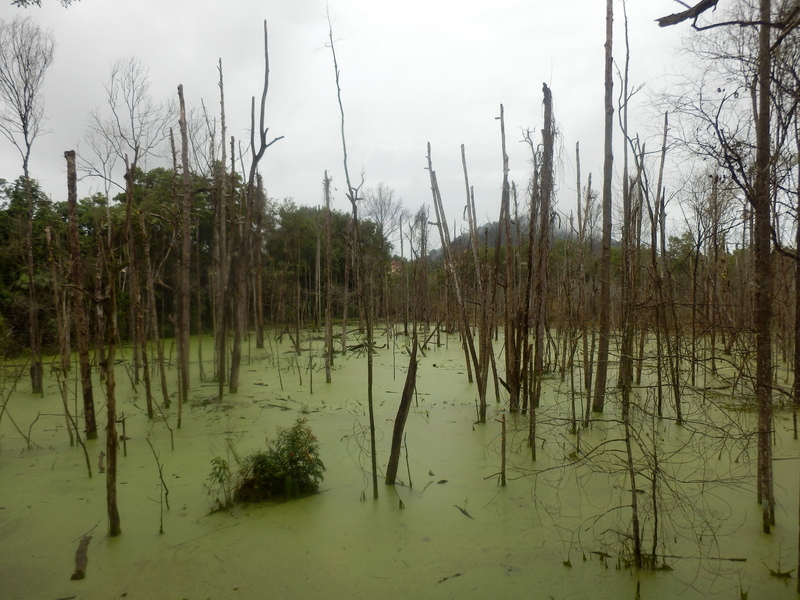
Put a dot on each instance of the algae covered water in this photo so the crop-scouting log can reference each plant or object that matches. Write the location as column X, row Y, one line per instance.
column 558, row 529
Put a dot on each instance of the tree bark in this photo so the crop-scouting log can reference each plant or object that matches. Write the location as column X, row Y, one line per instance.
column 605, row 251
column 110, row 313
column 329, row 352
column 221, row 261
column 763, row 273
column 184, row 292
column 78, row 305
column 402, row 411
column 543, row 246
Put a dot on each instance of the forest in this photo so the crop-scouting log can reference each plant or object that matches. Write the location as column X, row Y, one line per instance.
column 585, row 385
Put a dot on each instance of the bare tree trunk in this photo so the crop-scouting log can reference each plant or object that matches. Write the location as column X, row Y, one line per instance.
column 452, row 275
column 110, row 312
column 102, row 242
column 542, row 254
column 79, row 309
column 763, row 273
column 369, row 315
column 198, row 299
column 36, row 369
column 258, row 276
column 403, row 409
column 152, row 311
column 660, row 318
column 62, row 328
column 513, row 351
column 329, row 353
column 605, row 251
column 364, row 306
column 184, row 291
column 348, row 251
column 485, row 299
column 796, row 388
column 221, row 254
column 585, row 207
column 637, row 538
column 252, row 195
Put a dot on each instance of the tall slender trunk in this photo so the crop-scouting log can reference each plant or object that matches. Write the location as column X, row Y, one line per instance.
column 37, row 368
column 796, row 388
column 662, row 332
column 364, row 303
column 62, row 328
column 485, row 298
column 110, row 312
column 542, row 253
column 256, row 258
column 78, row 305
column 583, row 215
column 184, row 291
column 763, row 273
column 452, row 275
column 510, row 331
column 221, row 266
column 403, row 410
column 152, row 312
column 329, row 352
column 605, row 249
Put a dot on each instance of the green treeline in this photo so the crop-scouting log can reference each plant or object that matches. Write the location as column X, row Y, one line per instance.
column 290, row 234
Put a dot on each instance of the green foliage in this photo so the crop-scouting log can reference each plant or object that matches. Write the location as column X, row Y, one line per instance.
column 290, row 468
column 220, row 482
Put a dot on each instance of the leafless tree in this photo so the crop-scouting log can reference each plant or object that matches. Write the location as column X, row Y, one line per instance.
column 605, row 249
column 751, row 166
column 382, row 208
column 26, row 51
column 253, row 196
column 79, row 311
column 353, row 196
column 183, row 208
column 132, row 126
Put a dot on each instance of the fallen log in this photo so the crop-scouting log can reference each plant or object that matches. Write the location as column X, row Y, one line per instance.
column 81, row 559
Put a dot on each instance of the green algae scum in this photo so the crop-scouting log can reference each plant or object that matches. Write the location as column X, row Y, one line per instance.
column 559, row 528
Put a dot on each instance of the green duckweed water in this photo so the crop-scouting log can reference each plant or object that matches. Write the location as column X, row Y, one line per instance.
column 450, row 531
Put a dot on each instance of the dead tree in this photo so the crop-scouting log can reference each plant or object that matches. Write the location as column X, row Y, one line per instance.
column 402, row 410
column 758, row 196
column 486, row 292
column 605, row 249
column 543, row 246
column 78, row 305
column 25, row 54
column 252, row 195
column 353, row 196
column 328, row 226
column 455, row 282
column 184, row 290
column 109, row 307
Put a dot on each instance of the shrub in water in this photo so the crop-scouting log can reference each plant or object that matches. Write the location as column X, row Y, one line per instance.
column 220, row 483
column 290, row 466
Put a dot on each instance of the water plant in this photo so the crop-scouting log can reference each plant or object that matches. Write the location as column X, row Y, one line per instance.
column 290, row 467
column 220, row 483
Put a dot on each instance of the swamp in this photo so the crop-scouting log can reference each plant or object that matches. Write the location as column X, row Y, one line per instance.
column 560, row 525
column 210, row 393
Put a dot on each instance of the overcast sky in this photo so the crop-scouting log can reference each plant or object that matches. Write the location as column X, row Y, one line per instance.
column 412, row 72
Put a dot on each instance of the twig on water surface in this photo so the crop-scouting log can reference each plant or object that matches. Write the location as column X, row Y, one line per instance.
column 464, row 511
column 449, row 576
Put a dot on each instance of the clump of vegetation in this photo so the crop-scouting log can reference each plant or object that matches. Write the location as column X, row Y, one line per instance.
column 290, row 467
